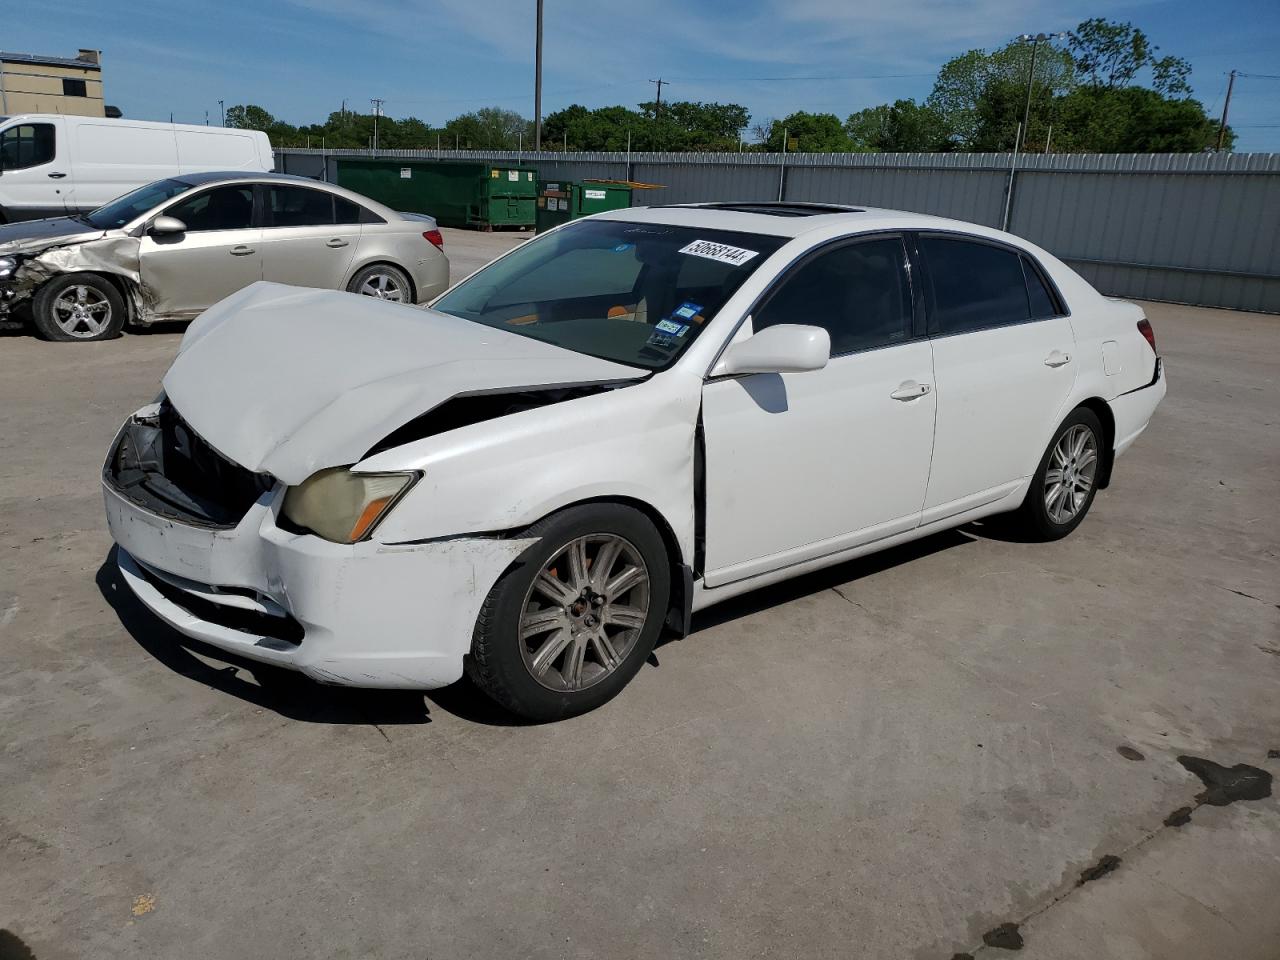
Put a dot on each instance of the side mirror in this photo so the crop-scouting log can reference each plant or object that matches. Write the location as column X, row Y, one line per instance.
column 786, row 348
column 166, row 226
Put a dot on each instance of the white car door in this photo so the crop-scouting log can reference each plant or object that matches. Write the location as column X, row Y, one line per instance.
column 1004, row 364
column 801, row 465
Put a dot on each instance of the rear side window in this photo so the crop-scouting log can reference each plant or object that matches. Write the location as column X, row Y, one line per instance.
column 304, row 207
column 975, row 285
column 28, row 145
column 1043, row 303
column 858, row 293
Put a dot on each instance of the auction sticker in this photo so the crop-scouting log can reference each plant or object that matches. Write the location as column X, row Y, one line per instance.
column 736, row 256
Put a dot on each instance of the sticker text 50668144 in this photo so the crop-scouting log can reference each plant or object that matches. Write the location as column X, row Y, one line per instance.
column 719, row 251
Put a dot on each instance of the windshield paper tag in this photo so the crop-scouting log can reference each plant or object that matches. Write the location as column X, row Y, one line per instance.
column 671, row 327
column 719, row 251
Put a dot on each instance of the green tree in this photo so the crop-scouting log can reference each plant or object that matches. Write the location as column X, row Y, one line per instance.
column 965, row 84
column 901, row 127
column 489, row 128
column 1110, row 54
column 1134, row 120
column 812, row 133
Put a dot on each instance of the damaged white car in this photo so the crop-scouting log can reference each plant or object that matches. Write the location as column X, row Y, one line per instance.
column 173, row 248
column 618, row 423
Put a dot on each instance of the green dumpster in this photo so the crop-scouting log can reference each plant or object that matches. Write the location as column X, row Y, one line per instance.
column 560, row 201
column 456, row 193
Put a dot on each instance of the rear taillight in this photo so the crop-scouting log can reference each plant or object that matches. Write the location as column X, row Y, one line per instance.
column 435, row 237
column 1144, row 328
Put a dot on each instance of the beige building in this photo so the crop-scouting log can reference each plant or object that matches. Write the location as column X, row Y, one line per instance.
column 30, row 83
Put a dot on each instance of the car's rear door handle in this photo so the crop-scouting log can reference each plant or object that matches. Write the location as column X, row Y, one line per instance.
column 56, row 176
column 1057, row 359
column 910, row 390
column 337, row 242
column 241, row 251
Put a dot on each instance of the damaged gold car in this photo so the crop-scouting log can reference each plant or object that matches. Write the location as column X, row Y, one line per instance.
column 171, row 249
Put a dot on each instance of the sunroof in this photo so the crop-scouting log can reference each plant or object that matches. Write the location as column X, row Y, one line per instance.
column 783, row 208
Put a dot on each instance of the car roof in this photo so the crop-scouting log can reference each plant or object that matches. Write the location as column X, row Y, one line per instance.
column 205, row 177
column 791, row 219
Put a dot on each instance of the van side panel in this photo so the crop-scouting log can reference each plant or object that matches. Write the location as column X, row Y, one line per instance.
column 112, row 158
column 216, row 149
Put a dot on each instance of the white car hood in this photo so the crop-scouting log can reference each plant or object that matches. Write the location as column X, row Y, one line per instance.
column 288, row 381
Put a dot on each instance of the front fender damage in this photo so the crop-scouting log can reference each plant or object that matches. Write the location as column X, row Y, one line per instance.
column 112, row 256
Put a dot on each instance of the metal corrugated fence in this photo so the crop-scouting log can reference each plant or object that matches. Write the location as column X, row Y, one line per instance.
column 1190, row 228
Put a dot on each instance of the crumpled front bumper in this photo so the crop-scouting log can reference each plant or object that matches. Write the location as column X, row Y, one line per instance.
column 367, row 615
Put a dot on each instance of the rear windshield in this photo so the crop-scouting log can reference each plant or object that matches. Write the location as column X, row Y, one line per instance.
column 634, row 293
column 114, row 215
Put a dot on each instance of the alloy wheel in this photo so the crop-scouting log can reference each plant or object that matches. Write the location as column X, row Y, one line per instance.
column 383, row 286
column 82, row 312
column 1071, row 473
column 584, row 612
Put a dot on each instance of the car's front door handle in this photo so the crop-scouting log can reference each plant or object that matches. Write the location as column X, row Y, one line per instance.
column 910, row 390
column 337, row 242
column 1057, row 359
column 241, row 251
column 56, row 176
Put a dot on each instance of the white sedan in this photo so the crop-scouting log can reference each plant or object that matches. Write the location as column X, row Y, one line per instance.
column 621, row 422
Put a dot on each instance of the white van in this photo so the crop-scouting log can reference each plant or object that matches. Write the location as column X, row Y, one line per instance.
column 52, row 165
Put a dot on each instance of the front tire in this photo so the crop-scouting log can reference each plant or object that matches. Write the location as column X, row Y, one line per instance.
column 1066, row 481
column 574, row 618
column 78, row 307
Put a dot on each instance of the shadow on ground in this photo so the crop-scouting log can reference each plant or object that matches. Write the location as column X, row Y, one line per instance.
column 299, row 698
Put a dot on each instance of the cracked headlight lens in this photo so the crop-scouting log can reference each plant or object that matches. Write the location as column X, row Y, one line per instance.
column 342, row 506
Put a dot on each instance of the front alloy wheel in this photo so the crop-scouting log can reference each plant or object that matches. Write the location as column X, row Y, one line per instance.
column 584, row 612
column 572, row 620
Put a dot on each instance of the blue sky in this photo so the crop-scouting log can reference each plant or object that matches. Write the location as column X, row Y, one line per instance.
column 437, row 58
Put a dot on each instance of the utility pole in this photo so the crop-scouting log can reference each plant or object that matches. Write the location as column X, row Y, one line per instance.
column 1226, row 105
column 537, row 84
column 223, row 107
column 657, row 106
column 377, row 109
column 1035, row 42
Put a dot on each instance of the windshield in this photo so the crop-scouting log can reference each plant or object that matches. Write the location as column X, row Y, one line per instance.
column 118, row 212
column 634, row 293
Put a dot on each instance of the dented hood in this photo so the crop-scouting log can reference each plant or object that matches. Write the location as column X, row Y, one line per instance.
column 288, row 381
column 36, row 235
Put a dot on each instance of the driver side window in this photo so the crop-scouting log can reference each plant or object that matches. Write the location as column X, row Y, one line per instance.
column 222, row 208
column 27, row 145
column 858, row 292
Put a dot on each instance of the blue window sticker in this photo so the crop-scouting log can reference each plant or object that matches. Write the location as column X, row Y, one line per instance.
column 687, row 310
column 623, row 247
column 672, row 328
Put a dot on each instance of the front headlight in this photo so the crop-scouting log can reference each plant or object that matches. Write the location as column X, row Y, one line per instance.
column 7, row 266
column 343, row 506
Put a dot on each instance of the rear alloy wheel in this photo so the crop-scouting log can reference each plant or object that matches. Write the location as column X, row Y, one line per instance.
column 80, row 306
column 575, row 617
column 383, row 282
column 1066, row 481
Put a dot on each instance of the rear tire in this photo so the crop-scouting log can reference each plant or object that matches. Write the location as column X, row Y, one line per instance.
column 555, row 639
column 383, row 282
column 1066, row 481
column 78, row 307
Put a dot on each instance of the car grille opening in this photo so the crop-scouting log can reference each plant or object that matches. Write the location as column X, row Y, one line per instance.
column 276, row 633
column 163, row 465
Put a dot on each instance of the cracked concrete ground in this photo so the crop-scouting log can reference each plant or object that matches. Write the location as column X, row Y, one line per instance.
column 887, row 759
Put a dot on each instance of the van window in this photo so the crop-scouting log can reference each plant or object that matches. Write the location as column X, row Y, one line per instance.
column 27, row 145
